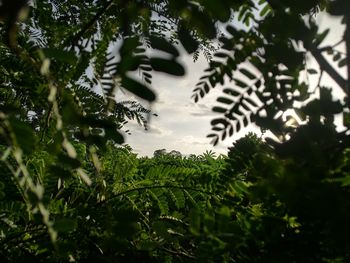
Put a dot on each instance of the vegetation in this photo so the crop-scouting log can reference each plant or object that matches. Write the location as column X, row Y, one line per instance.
column 70, row 191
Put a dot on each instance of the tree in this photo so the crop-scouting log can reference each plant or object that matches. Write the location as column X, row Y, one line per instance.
column 264, row 65
column 159, row 153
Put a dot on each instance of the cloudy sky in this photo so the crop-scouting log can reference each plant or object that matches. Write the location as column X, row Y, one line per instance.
column 182, row 125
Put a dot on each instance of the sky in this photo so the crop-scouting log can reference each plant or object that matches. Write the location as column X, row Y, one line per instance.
column 182, row 125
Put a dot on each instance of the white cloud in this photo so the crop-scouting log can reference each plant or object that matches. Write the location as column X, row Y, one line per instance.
column 158, row 130
column 189, row 139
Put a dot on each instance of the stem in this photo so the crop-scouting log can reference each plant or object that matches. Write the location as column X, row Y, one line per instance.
column 325, row 66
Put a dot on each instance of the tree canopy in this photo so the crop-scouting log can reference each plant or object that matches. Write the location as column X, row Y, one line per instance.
column 70, row 192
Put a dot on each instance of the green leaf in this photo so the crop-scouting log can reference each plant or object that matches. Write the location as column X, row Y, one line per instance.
column 265, row 10
column 129, row 45
column 60, row 55
column 58, row 171
column 195, row 221
column 138, row 89
column 23, row 134
column 114, row 135
column 65, row 224
column 167, row 66
column 65, row 160
column 178, row 197
column 346, row 119
column 203, row 23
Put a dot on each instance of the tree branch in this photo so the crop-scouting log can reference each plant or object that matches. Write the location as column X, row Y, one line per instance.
column 325, row 66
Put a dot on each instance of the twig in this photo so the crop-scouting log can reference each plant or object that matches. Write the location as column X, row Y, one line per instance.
column 325, row 66
column 89, row 24
column 178, row 253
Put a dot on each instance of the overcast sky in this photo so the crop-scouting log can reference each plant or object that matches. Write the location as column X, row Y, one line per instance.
column 182, row 125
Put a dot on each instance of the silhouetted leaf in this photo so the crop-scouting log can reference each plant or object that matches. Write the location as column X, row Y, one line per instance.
column 219, row 109
column 225, row 100
column 312, row 71
column 187, row 40
column 247, row 73
column 168, row 66
column 138, row 89
column 219, row 9
column 163, row 45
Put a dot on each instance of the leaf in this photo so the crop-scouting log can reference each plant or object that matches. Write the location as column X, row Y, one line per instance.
column 168, row 66
column 163, row 45
column 240, row 83
column 245, row 121
column 58, row 171
column 218, row 8
column 65, row 160
column 223, row 136
column 187, row 40
column 219, row 109
column 203, row 23
column 336, row 57
column 221, row 55
column 195, row 221
column 346, row 119
column 219, row 121
column 231, row 30
column 231, row 92
column 342, row 62
column 230, row 130
column 247, row 73
column 312, row 71
column 205, row 87
column 23, row 134
column 65, row 224
column 60, row 55
column 138, row 89
column 129, row 45
column 265, row 10
column 251, row 101
column 225, row 100
column 178, row 197
column 115, row 135
column 320, row 37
